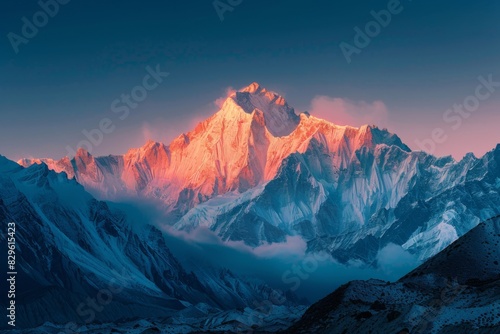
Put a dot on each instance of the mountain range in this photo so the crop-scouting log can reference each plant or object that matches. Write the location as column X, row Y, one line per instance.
column 81, row 261
column 256, row 173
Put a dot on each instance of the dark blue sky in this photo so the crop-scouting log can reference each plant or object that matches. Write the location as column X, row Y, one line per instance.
column 66, row 77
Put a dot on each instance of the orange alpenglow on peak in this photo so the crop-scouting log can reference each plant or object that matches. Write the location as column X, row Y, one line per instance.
column 280, row 118
column 241, row 146
column 252, row 88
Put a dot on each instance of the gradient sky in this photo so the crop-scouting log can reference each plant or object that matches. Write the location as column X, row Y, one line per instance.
column 66, row 77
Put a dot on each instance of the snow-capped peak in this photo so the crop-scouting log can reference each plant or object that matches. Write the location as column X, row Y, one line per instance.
column 280, row 118
column 241, row 146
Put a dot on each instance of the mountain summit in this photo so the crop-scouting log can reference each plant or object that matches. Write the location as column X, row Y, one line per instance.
column 279, row 117
column 257, row 172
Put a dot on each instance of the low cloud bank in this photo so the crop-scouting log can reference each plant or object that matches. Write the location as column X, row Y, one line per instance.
column 285, row 266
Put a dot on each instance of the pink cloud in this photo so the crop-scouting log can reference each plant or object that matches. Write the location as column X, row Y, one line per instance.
column 346, row 112
column 220, row 101
column 148, row 133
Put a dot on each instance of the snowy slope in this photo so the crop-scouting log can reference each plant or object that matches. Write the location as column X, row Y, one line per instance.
column 456, row 291
column 71, row 247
